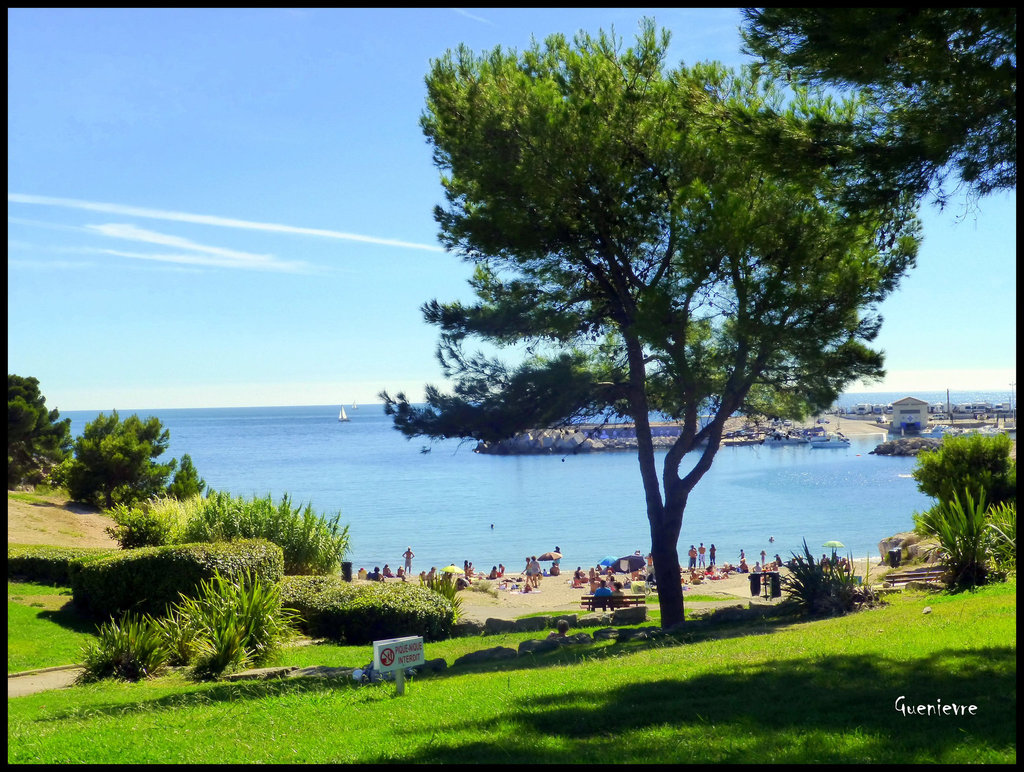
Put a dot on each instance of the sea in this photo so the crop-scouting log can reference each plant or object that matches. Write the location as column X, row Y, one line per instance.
column 449, row 504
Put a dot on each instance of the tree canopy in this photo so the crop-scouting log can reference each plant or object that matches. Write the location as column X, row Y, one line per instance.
column 635, row 250
column 115, row 461
column 944, row 80
column 980, row 465
column 37, row 438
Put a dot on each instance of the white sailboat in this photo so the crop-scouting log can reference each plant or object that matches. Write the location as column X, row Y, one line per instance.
column 342, row 416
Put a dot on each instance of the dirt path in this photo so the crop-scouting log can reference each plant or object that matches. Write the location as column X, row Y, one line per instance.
column 47, row 518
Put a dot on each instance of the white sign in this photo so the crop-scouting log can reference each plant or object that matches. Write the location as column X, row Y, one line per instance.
column 398, row 653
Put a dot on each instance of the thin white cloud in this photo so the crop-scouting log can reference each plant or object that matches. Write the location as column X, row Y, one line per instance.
column 228, row 257
column 202, row 219
column 206, row 260
column 468, row 15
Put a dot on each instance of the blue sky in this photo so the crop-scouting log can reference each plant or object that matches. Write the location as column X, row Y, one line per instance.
column 234, row 207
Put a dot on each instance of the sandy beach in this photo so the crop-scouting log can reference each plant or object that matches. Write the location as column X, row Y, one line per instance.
column 557, row 595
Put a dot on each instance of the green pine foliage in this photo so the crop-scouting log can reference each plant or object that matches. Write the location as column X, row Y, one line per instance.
column 187, row 482
column 115, row 461
column 37, row 439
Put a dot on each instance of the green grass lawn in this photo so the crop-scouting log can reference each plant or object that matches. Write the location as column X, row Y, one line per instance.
column 770, row 691
column 43, row 627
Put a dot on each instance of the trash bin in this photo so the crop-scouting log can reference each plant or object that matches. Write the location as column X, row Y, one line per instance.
column 346, row 571
column 776, row 585
column 894, row 557
column 755, row 584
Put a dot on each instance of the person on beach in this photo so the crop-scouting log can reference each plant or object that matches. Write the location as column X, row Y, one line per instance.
column 711, row 556
column 494, row 573
column 700, row 556
column 431, row 574
column 386, row 573
column 763, row 556
column 618, row 589
column 744, row 568
column 602, row 590
column 743, row 555
column 408, row 555
column 362, row 573
column 501, row 570
column 693, row 556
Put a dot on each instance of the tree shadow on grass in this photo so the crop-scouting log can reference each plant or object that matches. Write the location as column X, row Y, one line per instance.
column 789, row 714
column 70, row 617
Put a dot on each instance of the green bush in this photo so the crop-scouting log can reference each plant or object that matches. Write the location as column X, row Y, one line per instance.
column 822, row 588
column 49, row 565
column 150, row 579
column 961, row 531
column 360, row 614
column 234, row 623
column 312, row 543
column 130, row 649
column 444, row 585
column 974, row 462
column 1001, row 536
column 139, row 526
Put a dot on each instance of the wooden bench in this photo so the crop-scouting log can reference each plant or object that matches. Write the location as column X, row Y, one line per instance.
column 902, row 577
column 606, row 602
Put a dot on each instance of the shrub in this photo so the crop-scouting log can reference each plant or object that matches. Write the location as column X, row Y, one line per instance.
column 444, row 585
column 823, row 588
column 970, row 462
column 150, row 579
column 129, row 649
column 360, row 614
column 234, row 623
column 138, row 526
column 49, row 565
column 312, row 543
column 1001, row 536
column 961, row 531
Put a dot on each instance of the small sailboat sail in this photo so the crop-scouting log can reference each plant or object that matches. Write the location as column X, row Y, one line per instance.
column 342, row 416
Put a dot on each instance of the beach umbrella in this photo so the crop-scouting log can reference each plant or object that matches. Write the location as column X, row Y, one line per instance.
column 608, row 560
column 833, row 544
column 550, row 556
column 630, row 563
column 452, row 569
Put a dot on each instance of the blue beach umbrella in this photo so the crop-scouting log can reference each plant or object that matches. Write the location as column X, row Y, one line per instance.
column 608, row 561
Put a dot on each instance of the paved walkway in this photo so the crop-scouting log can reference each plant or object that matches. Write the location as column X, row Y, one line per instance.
column 33, row 681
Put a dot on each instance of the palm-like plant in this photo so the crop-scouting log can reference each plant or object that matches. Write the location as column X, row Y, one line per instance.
column 961, row 528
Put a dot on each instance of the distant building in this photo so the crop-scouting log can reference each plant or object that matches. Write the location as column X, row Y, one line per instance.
column 909, row 414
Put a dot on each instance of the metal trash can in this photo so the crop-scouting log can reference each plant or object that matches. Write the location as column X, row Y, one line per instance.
column 755, row 584
column 895, row 555
column 346, row 571
column 776, row 582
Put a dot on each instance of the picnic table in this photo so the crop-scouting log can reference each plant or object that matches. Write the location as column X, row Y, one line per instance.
column 591, row 602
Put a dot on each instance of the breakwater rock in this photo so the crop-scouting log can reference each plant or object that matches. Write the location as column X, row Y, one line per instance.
column 579, row 439
column 907, row 446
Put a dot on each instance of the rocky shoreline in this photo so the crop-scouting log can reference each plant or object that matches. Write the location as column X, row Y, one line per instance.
column 907, row 446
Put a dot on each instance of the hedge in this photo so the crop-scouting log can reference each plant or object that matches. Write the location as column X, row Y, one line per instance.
column 49, row 565
column 148, row 579
column 360, row 614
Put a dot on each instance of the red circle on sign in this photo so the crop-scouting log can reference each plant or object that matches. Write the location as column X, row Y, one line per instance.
column 387, row 656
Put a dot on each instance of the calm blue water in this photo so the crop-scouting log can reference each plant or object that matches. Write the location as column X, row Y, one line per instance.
column 444, row 503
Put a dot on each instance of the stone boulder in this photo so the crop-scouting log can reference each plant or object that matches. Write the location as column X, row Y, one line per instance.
column 495, row 626
column 537, row 647
column 595, row 620
column 892, row 542
column 497, row 654
column 467, row 629
column 574, row 640
column 531, row 624
column 606, row 634
column 629, row 616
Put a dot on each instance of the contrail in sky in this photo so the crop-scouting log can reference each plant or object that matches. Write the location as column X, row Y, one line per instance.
column 203, row 219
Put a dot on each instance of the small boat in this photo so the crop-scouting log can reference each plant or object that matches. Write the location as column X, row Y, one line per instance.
column 785, row 439
column 831, row 441
column 342, row 416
